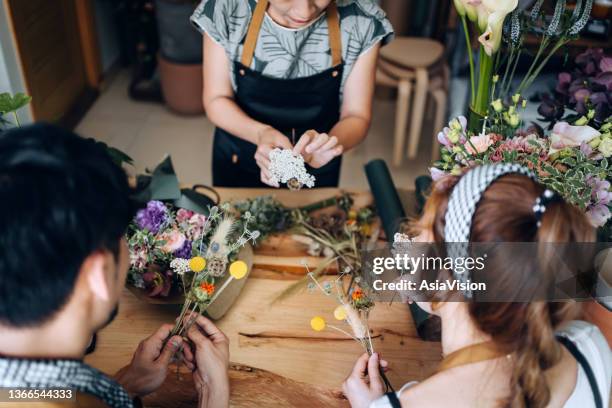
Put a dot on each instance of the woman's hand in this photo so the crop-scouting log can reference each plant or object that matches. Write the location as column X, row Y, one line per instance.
column 268, row 139
column 149, row 366
column 364, row 384
column 211, row 361
column 318, row 149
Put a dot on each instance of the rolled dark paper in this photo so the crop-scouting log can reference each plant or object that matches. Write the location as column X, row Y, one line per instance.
column 392, row 213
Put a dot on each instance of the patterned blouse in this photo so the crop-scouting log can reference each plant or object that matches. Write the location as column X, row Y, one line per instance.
column 293, row 53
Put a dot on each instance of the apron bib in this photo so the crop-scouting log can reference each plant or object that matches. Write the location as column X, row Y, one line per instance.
column 291, row 106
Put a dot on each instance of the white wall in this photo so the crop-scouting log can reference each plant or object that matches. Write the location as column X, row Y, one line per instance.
column 11, row 79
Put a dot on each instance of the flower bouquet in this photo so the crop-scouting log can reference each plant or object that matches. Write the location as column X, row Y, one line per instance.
column 183, row 256
column 573, row 156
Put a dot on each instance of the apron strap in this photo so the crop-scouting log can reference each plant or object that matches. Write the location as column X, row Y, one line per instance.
column 333, row 23
column 471, row 354
column 251, row 39
column 335, row 39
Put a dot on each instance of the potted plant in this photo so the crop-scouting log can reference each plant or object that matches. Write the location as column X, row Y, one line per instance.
column 180, row 56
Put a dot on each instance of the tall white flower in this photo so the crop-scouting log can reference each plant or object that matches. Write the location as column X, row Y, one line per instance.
column 469, row 8
column 493, row 12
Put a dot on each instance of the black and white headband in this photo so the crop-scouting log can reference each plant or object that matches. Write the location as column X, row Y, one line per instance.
column 465, row 198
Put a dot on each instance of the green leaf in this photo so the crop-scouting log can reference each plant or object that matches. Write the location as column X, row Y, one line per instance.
column 10, row 103
column 117, row 156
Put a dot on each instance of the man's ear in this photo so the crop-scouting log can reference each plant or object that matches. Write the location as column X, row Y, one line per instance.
column 94, row 272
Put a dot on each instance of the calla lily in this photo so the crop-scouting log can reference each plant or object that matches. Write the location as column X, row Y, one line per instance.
column 565, row 135
column 468, row 7
column 494, row 12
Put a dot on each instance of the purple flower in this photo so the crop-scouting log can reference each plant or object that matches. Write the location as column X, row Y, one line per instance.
column 184, row 251
column 437, row 174
column 563, row 84
column 586, row 149
column 152, row 217
column 606, row 64
column 598, row 215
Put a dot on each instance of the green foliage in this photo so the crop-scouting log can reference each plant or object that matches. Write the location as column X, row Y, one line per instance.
column 10, row 104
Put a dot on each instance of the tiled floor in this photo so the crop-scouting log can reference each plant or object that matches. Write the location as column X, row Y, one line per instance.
column 148, row 131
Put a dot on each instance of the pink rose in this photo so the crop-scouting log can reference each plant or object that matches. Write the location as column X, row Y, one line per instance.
column 183, row 215
column 479, row 144
column 565, row 135
column 173, row 241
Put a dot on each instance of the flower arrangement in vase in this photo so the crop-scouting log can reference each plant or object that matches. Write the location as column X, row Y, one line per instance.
column 573, row 156
column 177, row 250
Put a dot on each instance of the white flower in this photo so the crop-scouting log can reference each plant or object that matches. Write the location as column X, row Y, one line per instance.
column 180, row 266
column 493, row 12
column 285, row 166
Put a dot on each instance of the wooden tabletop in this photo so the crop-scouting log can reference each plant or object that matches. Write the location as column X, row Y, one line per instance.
column 277, row 359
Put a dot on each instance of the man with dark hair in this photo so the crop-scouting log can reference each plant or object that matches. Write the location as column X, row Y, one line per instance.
column 65, row 207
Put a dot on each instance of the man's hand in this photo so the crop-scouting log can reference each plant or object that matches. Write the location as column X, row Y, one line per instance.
column 364, row 384
column 318, row 149
column 268, row 139
column 149, row 366
column 212, row 363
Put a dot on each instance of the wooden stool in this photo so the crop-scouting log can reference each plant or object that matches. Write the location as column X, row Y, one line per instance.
column 406, row 63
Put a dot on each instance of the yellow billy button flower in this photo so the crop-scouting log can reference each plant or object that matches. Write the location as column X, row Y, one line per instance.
column 317, row 323
column 197, row 264
column 238, row 269
column 340, row 313
column 516, row 98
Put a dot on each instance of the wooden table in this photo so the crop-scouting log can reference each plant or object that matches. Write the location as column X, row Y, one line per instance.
column 279, row 361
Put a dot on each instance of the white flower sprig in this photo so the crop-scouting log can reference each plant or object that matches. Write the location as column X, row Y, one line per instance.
column 288, row 168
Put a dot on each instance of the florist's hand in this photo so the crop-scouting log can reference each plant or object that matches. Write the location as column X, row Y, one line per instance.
column 364, row 384
column 318, row 149
column 149, row 366
column 212, row 363
column 267, row 140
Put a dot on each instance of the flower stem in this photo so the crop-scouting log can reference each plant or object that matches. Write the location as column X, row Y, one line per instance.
column 535, row 74
column 16, row 119
column 508, row 85
column 470, row 57
column 541, row 49
column 485, row 78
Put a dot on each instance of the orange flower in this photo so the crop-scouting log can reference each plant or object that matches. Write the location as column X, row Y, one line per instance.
column 357, row 294
column 209, row 288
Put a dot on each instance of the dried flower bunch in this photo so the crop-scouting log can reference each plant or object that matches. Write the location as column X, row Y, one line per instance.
column 289, row 168
column 339, row 237
column 268, row 214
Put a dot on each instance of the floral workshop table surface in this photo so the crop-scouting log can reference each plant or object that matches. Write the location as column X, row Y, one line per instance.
column 277, row 359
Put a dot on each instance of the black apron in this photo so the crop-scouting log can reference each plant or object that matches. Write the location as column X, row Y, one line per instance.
column 291, row 106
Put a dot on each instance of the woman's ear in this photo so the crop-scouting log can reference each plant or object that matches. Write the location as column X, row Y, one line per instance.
column 94, row 270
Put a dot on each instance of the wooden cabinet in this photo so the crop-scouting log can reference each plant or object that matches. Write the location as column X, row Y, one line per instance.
column 58, row 54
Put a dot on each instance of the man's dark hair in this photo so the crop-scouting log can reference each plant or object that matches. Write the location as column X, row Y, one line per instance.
column 61, row 199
